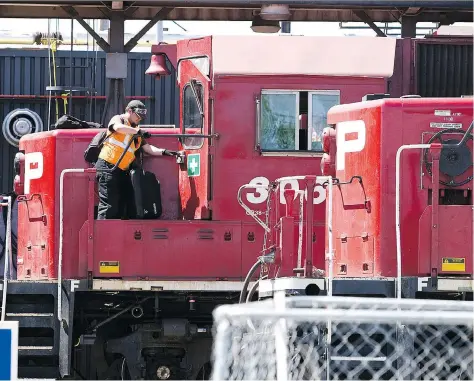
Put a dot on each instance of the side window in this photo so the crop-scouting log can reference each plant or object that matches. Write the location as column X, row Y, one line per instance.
column 319, row 104
column 293, row 121
column 193, row 113
column 279, row 121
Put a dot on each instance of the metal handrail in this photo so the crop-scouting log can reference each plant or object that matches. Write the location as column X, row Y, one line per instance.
column 249, row 211
column 61, row 216
column 8, row 252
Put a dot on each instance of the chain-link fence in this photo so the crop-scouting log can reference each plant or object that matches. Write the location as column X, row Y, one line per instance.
column 334, row 338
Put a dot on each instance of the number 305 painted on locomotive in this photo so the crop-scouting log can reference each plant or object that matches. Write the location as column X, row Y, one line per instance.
column 260, row 195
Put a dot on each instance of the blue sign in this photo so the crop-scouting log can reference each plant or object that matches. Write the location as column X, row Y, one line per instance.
column 9, row 350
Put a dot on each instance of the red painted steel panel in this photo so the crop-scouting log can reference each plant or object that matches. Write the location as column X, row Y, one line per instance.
column 237, row 161
column 169, row 249
column 59, row 150
column 389, row 124
column 36, row 211
column 455, row 224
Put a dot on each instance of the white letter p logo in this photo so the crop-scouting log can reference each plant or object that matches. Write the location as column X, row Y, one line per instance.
column 343, row 146
column 33, row 168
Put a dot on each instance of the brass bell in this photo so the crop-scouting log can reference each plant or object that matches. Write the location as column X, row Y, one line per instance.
column 158, row 66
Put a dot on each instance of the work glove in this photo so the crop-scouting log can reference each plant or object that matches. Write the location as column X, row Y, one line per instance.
column 170, row 153
column 143, row 134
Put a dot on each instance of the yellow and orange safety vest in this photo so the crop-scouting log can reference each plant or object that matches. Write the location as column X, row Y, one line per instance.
column 115, row 145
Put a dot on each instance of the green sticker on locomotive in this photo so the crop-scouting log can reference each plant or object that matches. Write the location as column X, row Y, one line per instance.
column 194, row 165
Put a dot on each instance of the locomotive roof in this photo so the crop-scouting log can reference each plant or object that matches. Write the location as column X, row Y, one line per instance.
column 440, row 103
column 303, row 55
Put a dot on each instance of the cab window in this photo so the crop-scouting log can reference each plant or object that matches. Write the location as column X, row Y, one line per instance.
column 293, row 121
column 193, row 114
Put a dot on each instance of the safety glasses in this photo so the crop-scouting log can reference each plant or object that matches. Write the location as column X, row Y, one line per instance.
column 141, row 112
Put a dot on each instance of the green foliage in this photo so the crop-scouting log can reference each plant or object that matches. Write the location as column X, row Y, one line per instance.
column 278, row 122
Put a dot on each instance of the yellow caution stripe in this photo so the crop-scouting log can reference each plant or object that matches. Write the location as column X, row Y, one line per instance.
column 453, row 264
column 109, row 267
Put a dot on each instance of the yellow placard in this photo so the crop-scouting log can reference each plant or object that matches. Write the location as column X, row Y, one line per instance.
column 453, row 264
column 109, row 267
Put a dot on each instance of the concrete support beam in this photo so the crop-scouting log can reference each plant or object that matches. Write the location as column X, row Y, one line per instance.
column 286, row 27
column 115, row 103
column 408, row 27
column 116, row 33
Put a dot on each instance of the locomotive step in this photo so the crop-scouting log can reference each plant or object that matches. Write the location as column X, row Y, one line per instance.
column 30, row 288
column 32, row 320
column 46, row 372
column 36, row 350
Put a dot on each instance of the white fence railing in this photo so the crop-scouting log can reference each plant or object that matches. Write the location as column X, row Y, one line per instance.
column 287, row 339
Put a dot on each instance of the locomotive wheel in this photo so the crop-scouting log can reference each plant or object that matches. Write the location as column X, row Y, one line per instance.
column 20, row 122
column 453, row 161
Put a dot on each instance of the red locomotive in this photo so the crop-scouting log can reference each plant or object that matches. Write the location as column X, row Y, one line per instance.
column 410, row 207
column 134, row 298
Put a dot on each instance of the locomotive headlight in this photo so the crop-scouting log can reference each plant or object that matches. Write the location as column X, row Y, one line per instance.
column 19, row 170
column 18, row 161
column 327, row 166
column 328, row 161
column 328, row 135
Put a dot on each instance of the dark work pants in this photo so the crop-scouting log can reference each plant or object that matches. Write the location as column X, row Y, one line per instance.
column 116, row 198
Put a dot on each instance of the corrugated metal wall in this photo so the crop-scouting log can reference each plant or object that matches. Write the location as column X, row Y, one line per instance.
column 26, row 72
column 444, row 70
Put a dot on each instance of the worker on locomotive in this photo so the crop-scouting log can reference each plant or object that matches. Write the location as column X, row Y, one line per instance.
column 115, row 187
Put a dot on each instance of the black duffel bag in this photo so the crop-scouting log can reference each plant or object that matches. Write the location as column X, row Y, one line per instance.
column 68, row 122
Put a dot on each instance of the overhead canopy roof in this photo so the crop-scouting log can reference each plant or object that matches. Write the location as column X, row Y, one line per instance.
column 302, row 55
column 445, row 11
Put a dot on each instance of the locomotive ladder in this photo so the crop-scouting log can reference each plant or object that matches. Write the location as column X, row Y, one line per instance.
column 32, row 305
column 8, row 260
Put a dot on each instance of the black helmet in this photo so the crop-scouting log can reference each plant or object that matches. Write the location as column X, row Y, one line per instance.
column 138, row 108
